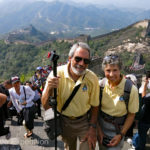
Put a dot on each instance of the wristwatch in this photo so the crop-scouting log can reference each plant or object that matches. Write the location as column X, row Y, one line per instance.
column 92, row 125
column 122, row 135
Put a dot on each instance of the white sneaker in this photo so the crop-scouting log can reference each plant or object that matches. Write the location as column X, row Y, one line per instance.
column 133, row 148
column 129, row 140
column 23, row 122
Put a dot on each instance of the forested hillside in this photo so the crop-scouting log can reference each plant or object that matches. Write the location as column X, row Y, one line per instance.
column 24, row 58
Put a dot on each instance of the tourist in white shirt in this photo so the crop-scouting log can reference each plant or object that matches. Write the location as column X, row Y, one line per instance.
column 22, row 99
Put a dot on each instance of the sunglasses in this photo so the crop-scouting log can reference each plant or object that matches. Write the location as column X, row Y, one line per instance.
column 110, row 57
column 78, row 59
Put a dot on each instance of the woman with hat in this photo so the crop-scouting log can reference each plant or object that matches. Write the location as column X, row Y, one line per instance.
column 22, row 99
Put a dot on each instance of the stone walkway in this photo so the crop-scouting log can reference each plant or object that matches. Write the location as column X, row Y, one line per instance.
column 38, row 141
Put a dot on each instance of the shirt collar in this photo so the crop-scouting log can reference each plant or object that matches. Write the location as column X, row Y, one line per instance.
column 119, row 85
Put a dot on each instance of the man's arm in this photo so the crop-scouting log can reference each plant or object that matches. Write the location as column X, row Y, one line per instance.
column 94, row 115
column 91, row 135
column 51, row 83
column 3, row 99
column 45, row 97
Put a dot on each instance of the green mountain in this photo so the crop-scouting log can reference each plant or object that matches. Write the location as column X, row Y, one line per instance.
column 28, row 35
column 18, row 58
column 66, row 18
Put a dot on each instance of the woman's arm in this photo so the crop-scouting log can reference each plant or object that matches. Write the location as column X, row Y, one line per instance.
column 14, row 101
column 128, row 122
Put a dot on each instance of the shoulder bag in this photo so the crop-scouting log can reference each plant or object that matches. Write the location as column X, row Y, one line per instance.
column 49, row 124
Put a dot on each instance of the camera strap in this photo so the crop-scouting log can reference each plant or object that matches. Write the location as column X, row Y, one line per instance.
column 24, row 92
column 70, row 97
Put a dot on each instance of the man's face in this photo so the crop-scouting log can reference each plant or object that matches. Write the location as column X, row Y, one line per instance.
column 112, row 73
column 79, row 62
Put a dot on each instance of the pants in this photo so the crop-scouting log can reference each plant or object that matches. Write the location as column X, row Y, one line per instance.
column 109, row 130
column 142, row 130
column 73, row 129
column 38, row 107
column 3, row 130
column 28, row 114
column 5, row 110
column 20, row 118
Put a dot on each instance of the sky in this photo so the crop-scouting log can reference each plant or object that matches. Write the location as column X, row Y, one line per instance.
column 145, row 4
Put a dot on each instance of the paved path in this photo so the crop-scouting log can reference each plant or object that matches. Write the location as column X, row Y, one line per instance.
column 39, row 141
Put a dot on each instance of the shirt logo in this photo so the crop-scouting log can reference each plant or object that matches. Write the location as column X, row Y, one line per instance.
column 84, row 88
column 121, row 98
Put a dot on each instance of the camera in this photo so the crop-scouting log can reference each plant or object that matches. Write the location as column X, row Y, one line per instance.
column 148, row 74
column 53, row 56
column 106, row 140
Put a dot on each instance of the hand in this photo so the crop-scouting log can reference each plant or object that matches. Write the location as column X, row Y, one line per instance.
column 24, row 103
column 53, row 82
column 9, row 104
column 100, row 134
column 91, row 138
column 115, row 140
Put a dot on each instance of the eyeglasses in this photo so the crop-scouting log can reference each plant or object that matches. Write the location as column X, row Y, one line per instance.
column 110, row 57
column 78, row 59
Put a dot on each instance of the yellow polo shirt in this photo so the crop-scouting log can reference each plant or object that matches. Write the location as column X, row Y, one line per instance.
column 86, row 96
column 111, row 103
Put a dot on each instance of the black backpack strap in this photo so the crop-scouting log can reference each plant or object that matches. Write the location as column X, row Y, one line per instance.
column 70, row 97
column 102, row 85
column 24, row 92
column 127, row 91
column 100, row 96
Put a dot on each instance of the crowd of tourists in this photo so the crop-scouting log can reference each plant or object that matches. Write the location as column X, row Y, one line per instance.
column 100, row 110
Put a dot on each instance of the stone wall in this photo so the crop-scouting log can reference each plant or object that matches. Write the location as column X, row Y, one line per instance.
column 95, row 66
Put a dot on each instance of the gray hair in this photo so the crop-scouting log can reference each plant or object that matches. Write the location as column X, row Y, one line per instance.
column 79, row 44
column 112, row 59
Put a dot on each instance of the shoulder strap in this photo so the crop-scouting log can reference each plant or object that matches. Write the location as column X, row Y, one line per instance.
column 102, row 85
column 24, row 92
column 127, row 91
column 70, row 97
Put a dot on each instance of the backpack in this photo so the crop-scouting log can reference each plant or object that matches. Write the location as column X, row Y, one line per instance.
column 126, row 95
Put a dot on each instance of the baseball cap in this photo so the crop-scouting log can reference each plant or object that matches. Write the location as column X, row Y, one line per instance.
column 39, row 68
column 15, row 79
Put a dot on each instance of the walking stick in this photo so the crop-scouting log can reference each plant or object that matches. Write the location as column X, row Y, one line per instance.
column 53, row 101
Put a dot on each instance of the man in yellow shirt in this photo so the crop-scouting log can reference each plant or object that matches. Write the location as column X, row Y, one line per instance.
column 76, row 123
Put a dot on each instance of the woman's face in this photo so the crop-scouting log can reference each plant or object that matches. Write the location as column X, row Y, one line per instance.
column 16, row 85
column 112, row 73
